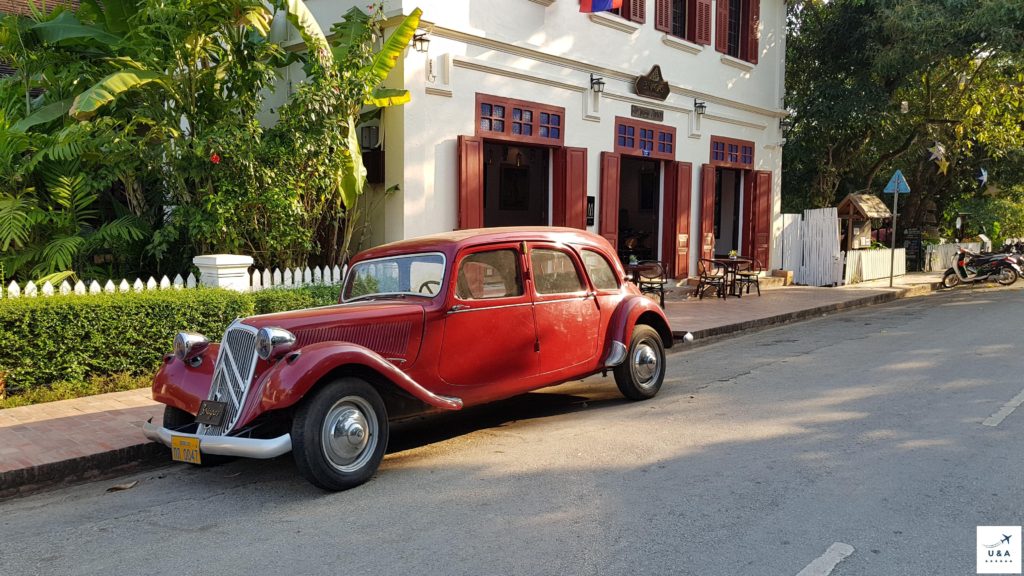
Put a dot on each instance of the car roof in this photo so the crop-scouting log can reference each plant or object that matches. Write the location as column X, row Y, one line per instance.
column 451, row 242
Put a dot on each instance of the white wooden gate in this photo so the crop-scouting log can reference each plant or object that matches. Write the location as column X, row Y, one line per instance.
column 821, row 262
column 791, row 249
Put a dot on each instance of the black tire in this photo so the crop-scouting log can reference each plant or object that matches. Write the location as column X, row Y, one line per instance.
column 950, row 280
column 180, row 421
column 640, row 375
column 177, row 419
column 1006, row 276
column 354, row 410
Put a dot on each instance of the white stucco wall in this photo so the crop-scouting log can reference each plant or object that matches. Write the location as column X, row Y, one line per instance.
column 529, row 50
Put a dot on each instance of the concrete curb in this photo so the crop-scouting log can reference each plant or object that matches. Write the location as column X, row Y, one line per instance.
column 713, row 334
column 84, row 469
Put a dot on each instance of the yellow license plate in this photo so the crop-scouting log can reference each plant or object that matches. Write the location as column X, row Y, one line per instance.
column 185, row 449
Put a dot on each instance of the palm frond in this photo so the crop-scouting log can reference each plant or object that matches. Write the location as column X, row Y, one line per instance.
column 59, row 254
column 15, row 221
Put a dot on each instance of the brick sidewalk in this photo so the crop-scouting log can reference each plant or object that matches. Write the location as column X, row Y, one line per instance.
column 85, row 438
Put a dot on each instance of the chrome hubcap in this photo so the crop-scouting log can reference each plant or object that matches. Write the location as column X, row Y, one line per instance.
column 349, row 433
column 645, row 364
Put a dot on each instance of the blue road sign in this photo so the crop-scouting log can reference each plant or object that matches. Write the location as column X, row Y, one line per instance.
column 897, row 184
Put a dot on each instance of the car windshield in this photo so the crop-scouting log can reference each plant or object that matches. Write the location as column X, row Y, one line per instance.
column 414, row 274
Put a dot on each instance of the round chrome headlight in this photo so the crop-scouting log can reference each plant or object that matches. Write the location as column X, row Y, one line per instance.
column 188, row 345
column 274, row 342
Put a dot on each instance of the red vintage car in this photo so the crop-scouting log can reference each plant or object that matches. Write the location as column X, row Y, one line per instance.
column 430, row 324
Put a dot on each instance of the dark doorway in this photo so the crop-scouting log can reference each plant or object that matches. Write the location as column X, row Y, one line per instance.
column 727, row 210
column 516, row 185
column 639, row 207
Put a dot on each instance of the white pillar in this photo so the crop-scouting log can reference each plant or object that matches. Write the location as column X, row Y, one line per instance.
column 230, row 271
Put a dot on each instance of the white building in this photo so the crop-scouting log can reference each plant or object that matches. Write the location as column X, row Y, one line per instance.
column 505, row 126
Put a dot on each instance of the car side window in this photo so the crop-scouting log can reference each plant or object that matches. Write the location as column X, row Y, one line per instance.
column 554, row 272
column 601, row 273
column 491, row 274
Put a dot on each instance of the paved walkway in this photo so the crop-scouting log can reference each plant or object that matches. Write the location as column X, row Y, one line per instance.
column 92, row 437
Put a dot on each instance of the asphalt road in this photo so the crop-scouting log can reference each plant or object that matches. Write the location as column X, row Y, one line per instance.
column 864, row 429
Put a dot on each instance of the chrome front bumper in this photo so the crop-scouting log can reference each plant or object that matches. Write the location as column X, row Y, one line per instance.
column 225, row 445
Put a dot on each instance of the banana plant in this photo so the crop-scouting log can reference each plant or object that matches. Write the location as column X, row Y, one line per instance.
column 135, row 75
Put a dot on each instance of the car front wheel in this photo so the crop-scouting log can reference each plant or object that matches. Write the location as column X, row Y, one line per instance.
column 339, row 434
column 639, row 377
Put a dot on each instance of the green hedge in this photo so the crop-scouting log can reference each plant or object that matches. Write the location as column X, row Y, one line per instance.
column 54, row 341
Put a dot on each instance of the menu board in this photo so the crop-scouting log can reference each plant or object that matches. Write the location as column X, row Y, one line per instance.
column 912, row 242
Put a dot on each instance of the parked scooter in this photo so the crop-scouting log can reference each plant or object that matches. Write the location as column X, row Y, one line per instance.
column 970, row 267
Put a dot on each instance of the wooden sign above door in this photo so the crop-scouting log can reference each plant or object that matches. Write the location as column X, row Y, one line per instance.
column 652, row 84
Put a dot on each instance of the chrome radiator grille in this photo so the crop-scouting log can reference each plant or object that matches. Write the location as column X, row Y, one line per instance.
column 232, row 375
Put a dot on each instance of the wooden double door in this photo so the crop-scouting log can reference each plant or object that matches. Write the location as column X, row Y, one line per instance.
column 675, row 229
column 755, row 219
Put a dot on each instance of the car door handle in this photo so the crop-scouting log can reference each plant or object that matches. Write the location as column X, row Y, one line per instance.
column 458, row 307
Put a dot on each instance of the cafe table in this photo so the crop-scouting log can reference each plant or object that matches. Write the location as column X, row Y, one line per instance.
column 731, row 265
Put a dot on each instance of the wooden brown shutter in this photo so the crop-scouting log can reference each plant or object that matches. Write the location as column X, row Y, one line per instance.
column 762, row 215
column 668, row 226
column 569, row 197
column 684, row 183
column 675, row 250
column 558, row 190
column 753, row 36
column 663, row 15
column 749, row 211
column 471, row 182
column 702, row 23
column 722, row 27
column 636, row 10
column 609, row 225
column 707, row 211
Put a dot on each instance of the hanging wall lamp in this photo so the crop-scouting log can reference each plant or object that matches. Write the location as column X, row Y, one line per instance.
column 596, row 84
column 420, row 42
column 700, row 107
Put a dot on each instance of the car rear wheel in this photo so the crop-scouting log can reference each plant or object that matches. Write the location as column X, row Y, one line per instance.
column 639, row 377
column 339, row 434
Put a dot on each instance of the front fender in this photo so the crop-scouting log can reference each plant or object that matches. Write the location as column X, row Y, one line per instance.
column 179, row 385
column 292, row 377
column 631, row 311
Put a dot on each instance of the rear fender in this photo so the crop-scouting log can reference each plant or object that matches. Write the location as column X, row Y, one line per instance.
column 631, row 311
column 296, row 374
column 182, row 386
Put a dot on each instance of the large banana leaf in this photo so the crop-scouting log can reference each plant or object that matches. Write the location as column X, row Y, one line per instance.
column 108, row 89
column 117, row 12
column 384, row 97
column 45, row 114
column 354, row 173
column 67, row 27
column 395, row 45
column 302, row 19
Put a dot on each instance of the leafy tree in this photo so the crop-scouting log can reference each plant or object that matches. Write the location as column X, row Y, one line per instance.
column 958, row 66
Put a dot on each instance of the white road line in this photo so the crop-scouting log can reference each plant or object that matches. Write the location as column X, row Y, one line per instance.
column 1005, row 411
column 824, row 564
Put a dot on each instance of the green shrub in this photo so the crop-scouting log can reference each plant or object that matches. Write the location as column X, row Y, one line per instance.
column 63, row 343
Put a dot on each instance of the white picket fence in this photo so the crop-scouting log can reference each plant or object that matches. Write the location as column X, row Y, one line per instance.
column 258, row 280
column 864, row 265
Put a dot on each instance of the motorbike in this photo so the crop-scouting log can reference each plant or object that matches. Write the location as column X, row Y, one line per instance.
column 970, row 267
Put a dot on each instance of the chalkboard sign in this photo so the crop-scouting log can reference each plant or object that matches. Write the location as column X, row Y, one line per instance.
column 915, row 253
